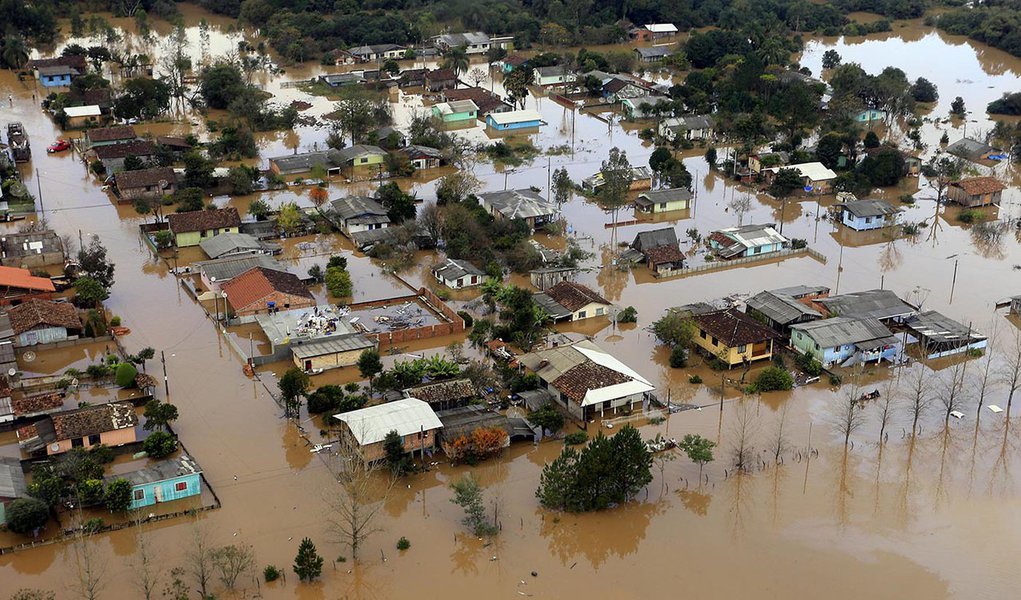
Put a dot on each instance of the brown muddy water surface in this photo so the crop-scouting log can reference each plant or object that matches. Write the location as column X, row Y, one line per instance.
column 933, row 517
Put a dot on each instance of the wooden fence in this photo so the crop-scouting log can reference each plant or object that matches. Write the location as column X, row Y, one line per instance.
column 721, row 265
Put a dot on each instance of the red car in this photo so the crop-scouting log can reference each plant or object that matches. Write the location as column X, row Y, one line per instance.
column 58, row 146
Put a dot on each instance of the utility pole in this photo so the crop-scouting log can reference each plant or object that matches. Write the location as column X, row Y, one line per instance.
column 953, row 282
column 166, row 380
column 39, row 187
column 549, row 177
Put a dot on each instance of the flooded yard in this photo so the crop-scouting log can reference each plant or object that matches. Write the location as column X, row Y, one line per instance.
column 932, row 516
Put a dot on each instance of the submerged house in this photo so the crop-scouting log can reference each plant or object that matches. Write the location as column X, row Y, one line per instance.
column 20, row 285
column 112, row 156
column 436, row 80
column 815, row 176
column 234, row 244
column 485, row 100
column 780, row 311
column 659, row 249
column 456, row 274
column 653, row 54
column 514, row 119
column 361, row 155
column 883, row 305
column 163, row 481
column 641, row 179
column 112, row 424
column 976, row 191
column 152, row 184
column 423, row 157
column 57, row 75
column 190, row 228
column 940, row 336
column 443, row 395
column 585, row 381
column 44, row 322
column 523, row 204
column 570, row 301
column 12, row 484
column 304, row 162
column 973, row 150
column 260, row 290
column 473, row 42
column 733, row 337
column 690, row 127
column 863, row 215
column 747, row 240
column 845, row 341
column 661, row 201
column 355, row 214
column 553, row 75
column 315, row 338
column 644, row 107
column 366, row 428
column 331, row 353
column 214, row 273
column 31, row 249
column 455, row 112
column 79, row 117
column 108, row 136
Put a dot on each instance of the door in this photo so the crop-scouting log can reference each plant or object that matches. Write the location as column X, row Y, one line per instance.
column 308, row 365
column 157, row 493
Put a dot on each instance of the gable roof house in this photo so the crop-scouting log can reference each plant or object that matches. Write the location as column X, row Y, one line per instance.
column 19, row 285
column 846, row 341
column 455, row 111
column 976, row 191
column 747, row 240
column 374, row 53
column 863, row 215
column 190, row 228
column 145, row 183
column 164, row 481
column 641, row 179
column 661, row 201
column 457, row 274
column 112, row 156
column 31, row 249
column 44, row 322
column 572, row 301
column 815, row 176
column 303, row 162
column 733, row 337
column 780, row 311
column 473, row 42
column 12, row 484
column 360, row 155
column 108, row 136
column 519, row 204
column 388, row 138
column 66, row 64
column 660, row 249
column 423, row 157
column 57, row 75
column 214, row 273
column 411, row 78
column 436, row 80
column 366, row 428
column 514, row 119
column 79, row 117
column 643, row 107
column 112, row 424
column 486, row 101
column 973, row 150
column 653, row 31
column 235, row 244
column 443, row 395
column 877, row 304
column 688, row 127
column 553, row 75
column 355, row 214
column 260, row 290
column 652, row 54
column 939, row 335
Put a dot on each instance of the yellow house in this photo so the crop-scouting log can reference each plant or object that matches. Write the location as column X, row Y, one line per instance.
column 190, row 228
column 733, row 336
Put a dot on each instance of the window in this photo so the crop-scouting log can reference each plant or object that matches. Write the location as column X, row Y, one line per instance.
column 94, row 439
column 181, row 486
column 817, row 346
column 581, row 314
column 742, row 348
column 662, row 205
column 702, row 333
column 599, row 311
column 868, row 220
column 715, row 341
column 139, row 494
column 78, row 443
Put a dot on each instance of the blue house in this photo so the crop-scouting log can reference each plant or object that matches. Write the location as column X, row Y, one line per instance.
column 845, row 341
column 869, row 115
column 863, row 215
column 164, row 481
column 514, row 119
column 747, row 240
column 57, row 76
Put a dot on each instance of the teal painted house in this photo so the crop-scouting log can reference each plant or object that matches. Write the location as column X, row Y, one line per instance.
column 164, row 481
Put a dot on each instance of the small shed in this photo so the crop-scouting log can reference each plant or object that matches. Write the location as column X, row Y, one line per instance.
column 939, row 335
column 164, row 481
column 661, row 201
column 457, row 274
column 331, row 353
column 44, row 322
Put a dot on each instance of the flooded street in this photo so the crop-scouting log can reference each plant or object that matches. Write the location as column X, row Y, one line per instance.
column 927, row 517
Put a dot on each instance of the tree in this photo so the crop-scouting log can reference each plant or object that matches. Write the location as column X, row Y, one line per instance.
column 220, row 84
column 399, row 205
column 290, row 218
column 659, row 158
column 829, row 149
column 953, row 392
column 146, row 563
column 241, row 179
column 957, row 107
column 308, row 565
column 884, row 167
column 159, row 415
column 88, row 569
column 117, row 497
column 1009, row 372
column 325, row 398
column 830, row 59
column 89, row 292
column 231, row 562
column 143, row 355
column 785, row 182
column 468, row 495
column 456, row 187
column 25, row 515
column 674, row 329
column 142, row 98
column 918, row 397
column 396, row 456
column 772, row 379
column 354, row 511
column 259, row 209
column 923, row 90
column 198, row 558
column 27, row 594
column 15, row 52
column 617, row 178
column 391, row 66
column 562, row 186
column 456, row 59
column 92, row 263
column 293, row 386
column 125, row 375
column 338, row 282
column 710, row 157
column 698, row 449
column 160, row 444
column 848, row 413
column 516, row 83
column 369, row 364
column 354, row 116
column 476, row 76
column 547, row 417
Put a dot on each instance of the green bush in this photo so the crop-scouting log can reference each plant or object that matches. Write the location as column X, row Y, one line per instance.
column 25, row 515
column 403, row 543
column 118, row 495
column 628, row 315
column 326, row 398
column 809, row 364
column 678, row 357
column 93, row 525
column 270, row 573
column 126, row 373
column 159, row 444
column 835, row 380
column 547, row 417
column 575, row 438
column 468, row 320
column 696, row 379
column 115, row 322
column 773, row 379
column 969, row 216
column 338, row 282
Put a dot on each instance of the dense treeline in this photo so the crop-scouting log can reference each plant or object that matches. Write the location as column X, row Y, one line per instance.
column 996, row 22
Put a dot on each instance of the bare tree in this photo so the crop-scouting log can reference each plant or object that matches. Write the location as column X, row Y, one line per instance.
column 198, row 559
column 778, row 444
column 740, row 205
column 1010, row 368
column 918, row 396
column 363, row 491
column 887, row 406
column 848, row 415
column 89, row 569
column 146, row 562
column 476, row 76
column 430, row 219
column 743, row 431
column 231, row 562
column 985, row 369
column 952, row 393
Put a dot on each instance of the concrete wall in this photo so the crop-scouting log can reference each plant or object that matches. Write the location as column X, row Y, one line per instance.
column 282, row 301
column 118, row 437
column 454, row 325
column 30, row 261
column 42, row 335
column 329, row 361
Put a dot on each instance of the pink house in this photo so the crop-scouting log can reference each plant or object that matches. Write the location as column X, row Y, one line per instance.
column 112, row 424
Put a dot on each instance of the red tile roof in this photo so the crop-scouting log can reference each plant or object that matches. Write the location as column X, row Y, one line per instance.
column 573, row 296
column 13, row 277
column 27, row 405
column 578, row 380
column 978, row 186
column 204, row 220
column 92, row 420
column 142, row 148
column 33, row 313
column 112, row 134
column 255, row 284
column 734, row 328
column 664, row 254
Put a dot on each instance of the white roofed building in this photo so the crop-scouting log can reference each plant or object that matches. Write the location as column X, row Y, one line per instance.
column 412, row 419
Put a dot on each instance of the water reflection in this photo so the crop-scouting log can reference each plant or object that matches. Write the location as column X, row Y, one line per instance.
column 598, row 536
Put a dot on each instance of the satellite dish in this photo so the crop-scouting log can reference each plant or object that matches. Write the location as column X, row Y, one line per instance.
column 12, row 372
column 74, row 382
column 55, row 447
column 29, row 356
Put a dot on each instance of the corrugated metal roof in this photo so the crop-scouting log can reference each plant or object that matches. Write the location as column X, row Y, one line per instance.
column 942, row 329
column 406, row 416
column 332, row 345
column 12, row 478
column 880, row 304
column 840, row 331
column 518, row 204
column 779, row 308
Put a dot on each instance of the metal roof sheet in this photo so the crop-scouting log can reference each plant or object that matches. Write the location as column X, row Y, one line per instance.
column 406, row 416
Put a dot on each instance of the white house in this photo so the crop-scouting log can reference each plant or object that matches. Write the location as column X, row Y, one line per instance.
column 569, row 301
column 555, row 75
column 456, row 274
column 690, row 127
column 355, row 214
column 863, row 215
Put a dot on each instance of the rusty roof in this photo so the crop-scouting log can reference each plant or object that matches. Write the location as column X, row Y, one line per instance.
column 443, row 391
column 977, row 186
column 659, row 255
column 39, row 403
column 578, row 380
column 92, row 420
column 441, row 75
column 573, row 296
column 734, row 328
column 256, row 283
column 111, row 134
column 13, row 277
column 145, row 178
column 141, row 148
column 204, row 220
column 33, row 313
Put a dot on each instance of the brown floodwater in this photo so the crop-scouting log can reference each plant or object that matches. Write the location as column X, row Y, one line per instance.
column 928, row 517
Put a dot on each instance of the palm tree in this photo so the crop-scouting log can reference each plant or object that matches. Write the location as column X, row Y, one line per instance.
column 15, row 52
column 456, row 59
